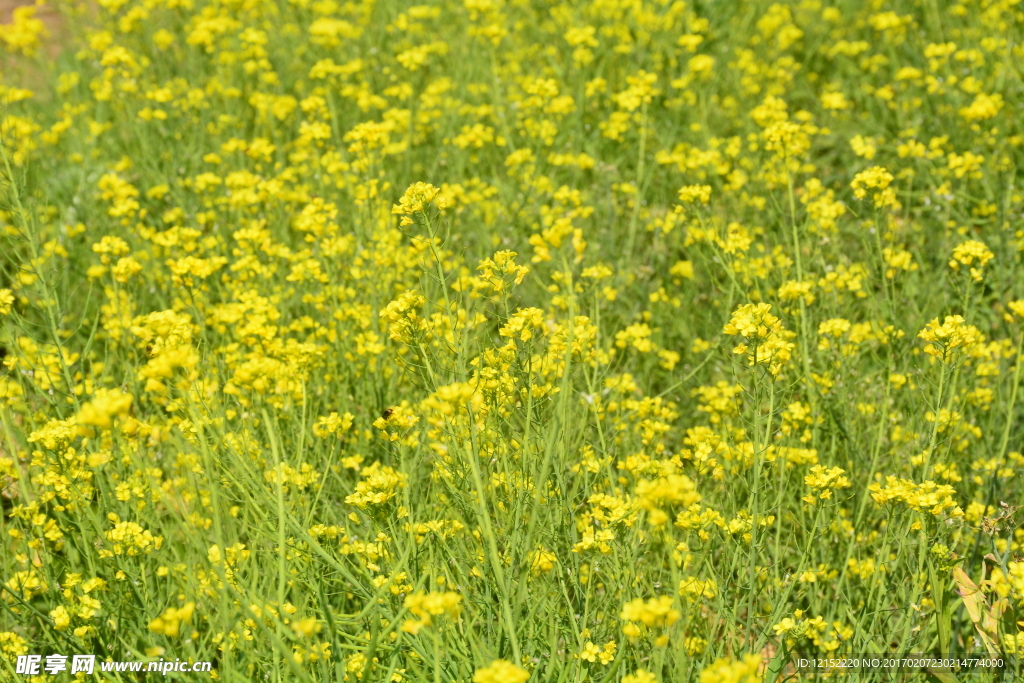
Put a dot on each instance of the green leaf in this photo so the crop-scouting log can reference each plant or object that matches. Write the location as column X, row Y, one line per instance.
column 942, row 675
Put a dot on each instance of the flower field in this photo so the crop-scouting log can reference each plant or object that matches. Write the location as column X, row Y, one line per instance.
column 494, row 341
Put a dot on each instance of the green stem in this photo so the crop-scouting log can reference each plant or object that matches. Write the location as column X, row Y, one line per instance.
column 935, row 425
column 49, row 295
column 798, row 260
column 492, row 544
column 634, row 219
column 282, row 567
column 760, row 449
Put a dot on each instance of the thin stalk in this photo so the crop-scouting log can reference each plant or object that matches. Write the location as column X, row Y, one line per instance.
column 49, row 294
column 492, row 544
column 282, row 567
column 798, row 260
column 935, row 425
column 634, row 219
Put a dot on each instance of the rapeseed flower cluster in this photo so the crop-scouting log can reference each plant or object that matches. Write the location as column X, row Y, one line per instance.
column 498, row 341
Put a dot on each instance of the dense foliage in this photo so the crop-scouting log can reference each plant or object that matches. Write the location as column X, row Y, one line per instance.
column 494, row 341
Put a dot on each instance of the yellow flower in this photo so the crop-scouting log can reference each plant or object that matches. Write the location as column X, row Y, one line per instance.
column 332, row 425
column 6, row 301
column 784, row 626
column 61, row 618
column 169, row 623
column 897, row 260
column 304, row 628
column 125, row 269
column 695, row 194
column 764, row 332
column 640, row 676
column 394, row 421
column 300, row 478
column 415, row 201
column 402, row 316
column 379, row 485
column 427, row 605
column 129, row 538
column 106, row 404
column 602, row 653
column 24, row 33
column 1016, row 309
column 542, row 560
column 936, row 499
column 863, row 147
column 753, row 321
column 523, row 323
column 835, row 101
column 787, row 139
column 878, row 179
column 693, row 588
column 824, row 481
column 656, row 612
column 983, row 107
column 26, row 584
column 967, row 254
column 501, row 671
column 951, row 335
column 500, row 267
column 641, row 90
column 745, row 670
column 791, row 290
